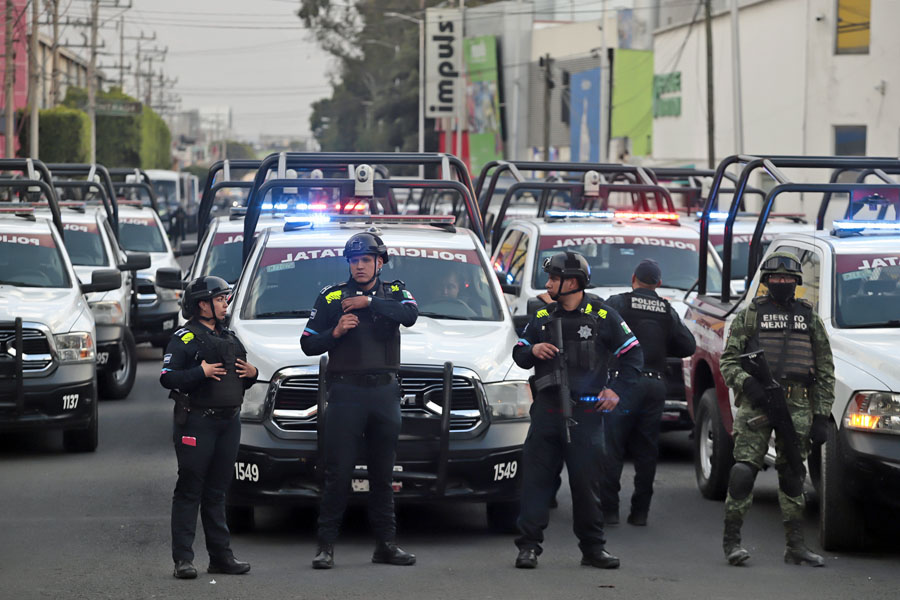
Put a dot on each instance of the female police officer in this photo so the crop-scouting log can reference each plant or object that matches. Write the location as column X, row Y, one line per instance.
column 205, row 367
column 358, row 323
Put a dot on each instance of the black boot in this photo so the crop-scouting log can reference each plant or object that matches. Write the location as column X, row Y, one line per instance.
column 185, row 570
column 389, row 553
column 324, row 557
column 731, row 543
column 796, row 552
column 527, row 559
column 228, row 566
column 600, row 560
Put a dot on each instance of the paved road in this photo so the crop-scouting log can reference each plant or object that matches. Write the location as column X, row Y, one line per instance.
column 96, row 526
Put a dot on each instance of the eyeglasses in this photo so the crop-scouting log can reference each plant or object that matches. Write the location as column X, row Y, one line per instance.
column 776, row 262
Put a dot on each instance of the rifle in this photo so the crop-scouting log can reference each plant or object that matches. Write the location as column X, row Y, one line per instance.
column 562, row 375
column 776, row 409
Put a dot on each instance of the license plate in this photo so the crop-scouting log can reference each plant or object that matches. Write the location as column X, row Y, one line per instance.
column 169, row 324
column 362, row 485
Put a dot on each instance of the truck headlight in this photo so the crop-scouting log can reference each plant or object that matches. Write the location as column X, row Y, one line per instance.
column 108, row 313
column 508, row 400
column 254, row 406
column 165, row 294
column 75, row 347
column 874, row 411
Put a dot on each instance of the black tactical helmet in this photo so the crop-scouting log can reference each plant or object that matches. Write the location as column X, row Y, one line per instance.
column 202, row 288
column 782, row 263
column 569, row 264
column 365, row 243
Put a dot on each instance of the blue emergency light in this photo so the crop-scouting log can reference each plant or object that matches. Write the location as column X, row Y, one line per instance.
column 846, row 228
column 713, row 216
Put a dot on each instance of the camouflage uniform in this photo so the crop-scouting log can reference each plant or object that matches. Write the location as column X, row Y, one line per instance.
column 804, row 401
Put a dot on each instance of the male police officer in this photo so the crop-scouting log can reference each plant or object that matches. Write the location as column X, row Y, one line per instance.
column 205, row 367
column 797, row 350
column 358, row 323
column 591, row 332
column 635, row 423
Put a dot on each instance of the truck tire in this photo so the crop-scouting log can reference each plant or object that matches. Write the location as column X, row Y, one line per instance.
column 713, row 448
column 502, row 516
column 841, row 523
column 83, row 440
column 116, row 385
column 240, row 519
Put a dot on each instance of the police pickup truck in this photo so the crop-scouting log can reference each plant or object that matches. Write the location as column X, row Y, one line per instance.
column 850, row 275
column 48, row 368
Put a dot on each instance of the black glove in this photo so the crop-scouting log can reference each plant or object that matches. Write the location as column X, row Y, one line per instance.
column 818, row 433
column 755, row 393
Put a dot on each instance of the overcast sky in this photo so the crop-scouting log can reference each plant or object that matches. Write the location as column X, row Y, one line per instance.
column 253, row 55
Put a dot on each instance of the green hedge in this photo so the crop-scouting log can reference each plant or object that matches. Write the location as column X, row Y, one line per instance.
column 64, row 135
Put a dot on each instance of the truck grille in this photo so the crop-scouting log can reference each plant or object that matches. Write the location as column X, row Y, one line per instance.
column 294, row 408
column 36, row 352
column 146, row 291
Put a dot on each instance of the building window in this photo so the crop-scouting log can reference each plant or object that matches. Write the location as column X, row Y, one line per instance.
column 852, row 27
column 850, row 140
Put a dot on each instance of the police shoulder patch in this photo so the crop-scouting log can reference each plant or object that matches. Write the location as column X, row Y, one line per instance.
column 332, row 296
column 542, row 313
column 187, row 337
column 602, row 313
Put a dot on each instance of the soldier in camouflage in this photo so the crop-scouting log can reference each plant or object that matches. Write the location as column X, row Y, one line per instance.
column 796, row 345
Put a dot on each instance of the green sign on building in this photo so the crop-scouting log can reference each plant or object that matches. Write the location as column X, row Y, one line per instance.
column 482, row 101
column 667, row 95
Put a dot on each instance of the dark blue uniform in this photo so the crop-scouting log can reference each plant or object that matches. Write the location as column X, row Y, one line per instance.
column 593, row 334
column 207, row 433
column 363, row 398
column 635, row 423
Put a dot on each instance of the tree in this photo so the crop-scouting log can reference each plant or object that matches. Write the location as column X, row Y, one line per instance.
column 236, row 149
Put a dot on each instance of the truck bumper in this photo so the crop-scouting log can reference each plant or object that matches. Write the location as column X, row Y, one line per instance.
column 63, row 400
column 873, row 463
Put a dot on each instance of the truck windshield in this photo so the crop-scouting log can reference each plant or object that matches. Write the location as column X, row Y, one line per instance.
column 141, row 234
column 84, row 245
column 224, row 258
column 166, row 191
column 866, row 290
column 446, row 283
column 612, row 259
column 31, row 260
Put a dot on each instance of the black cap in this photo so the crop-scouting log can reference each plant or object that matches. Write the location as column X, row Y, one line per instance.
column 648, row 272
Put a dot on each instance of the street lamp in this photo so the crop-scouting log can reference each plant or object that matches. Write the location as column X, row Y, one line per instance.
column 421, row 24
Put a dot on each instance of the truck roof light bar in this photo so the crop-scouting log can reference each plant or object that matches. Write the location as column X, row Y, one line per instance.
column 846, row 228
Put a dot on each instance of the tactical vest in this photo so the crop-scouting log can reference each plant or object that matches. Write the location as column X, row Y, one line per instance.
column 585, row 361
column 648, row 317
column 786, row 337
column 373, row 345
column 228, row 392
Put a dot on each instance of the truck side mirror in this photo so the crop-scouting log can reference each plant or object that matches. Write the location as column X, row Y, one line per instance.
column 103, row 280
column 135, row 261
column 186, row 248
column 169, row 278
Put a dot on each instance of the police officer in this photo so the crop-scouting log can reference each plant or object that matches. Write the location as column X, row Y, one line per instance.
column 358, row 323
column 592, row 334
column 797, row 350
column 635, row 422
column 205, row 367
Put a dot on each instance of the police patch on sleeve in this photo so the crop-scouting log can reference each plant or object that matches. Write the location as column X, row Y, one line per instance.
column 626, row 328
column 167, row 358
column 312, row 314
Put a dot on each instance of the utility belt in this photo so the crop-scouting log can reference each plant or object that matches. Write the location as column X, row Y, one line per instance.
column 183, row 408
column 651, row 374
column 363, row 379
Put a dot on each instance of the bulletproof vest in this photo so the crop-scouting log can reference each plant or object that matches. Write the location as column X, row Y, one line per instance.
column 585, row 361
column 648, row 317
column 373, row 345
column 225, row 349
column 786, row 337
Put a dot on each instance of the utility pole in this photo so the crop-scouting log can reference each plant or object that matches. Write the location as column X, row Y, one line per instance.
column 710, row 103
column 34, row 82
column 122, row 53
column 92, row 80
column 9, row 83
column 546, row 63
column 54, row 71
column 736, row 79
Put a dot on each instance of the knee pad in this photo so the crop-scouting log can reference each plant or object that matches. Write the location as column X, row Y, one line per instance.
column 790, row 483
column 740, row 483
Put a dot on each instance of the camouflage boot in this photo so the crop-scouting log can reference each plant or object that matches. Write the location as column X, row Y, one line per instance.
column 731, row 543
column 796, row 552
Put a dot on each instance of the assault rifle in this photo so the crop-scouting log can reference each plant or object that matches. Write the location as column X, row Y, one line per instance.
column 775, row 409
column 562, row 376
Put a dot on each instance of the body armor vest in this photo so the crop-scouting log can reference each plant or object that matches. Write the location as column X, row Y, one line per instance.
column 786, row 337
column 228, row 392
column 373, row 345
column 586, row 363
column 648, row 317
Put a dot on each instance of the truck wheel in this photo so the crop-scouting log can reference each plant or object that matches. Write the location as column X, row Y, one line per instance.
column 713, row 448
column 502, row 516
column 841, row 525
column 117, row 384
column 83, row 440
column 239, row 518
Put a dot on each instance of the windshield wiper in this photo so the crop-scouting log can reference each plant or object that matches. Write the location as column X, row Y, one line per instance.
column 435, row 315
column 281, row 314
